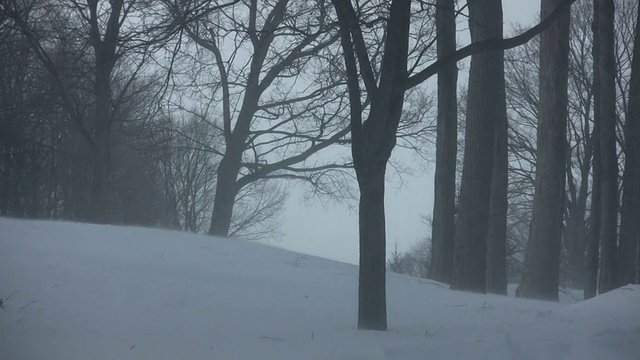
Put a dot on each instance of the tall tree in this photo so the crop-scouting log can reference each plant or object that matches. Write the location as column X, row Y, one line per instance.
column 593, row 240
column 629, row 251
column 485, row 104
column 105, row 47
column 497, row 231
column 608, row 158
column 374, row 139
column 263, row 110
column 443, row 225
column 542, row 257
column 372, row 143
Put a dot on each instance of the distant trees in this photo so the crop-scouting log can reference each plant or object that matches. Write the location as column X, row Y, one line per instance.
column 416, row 261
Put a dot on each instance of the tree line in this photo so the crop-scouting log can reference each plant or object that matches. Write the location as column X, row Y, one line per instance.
column 195, row 114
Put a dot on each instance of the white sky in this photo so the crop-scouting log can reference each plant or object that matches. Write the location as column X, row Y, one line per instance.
column 331, row 231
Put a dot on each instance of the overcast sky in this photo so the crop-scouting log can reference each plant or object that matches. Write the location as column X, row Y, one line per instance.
column 331, row 230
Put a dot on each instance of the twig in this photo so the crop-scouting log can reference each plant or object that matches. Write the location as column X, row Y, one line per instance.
column 24, row 307
column 13, row 293
column 272, row 338
column 4, row 301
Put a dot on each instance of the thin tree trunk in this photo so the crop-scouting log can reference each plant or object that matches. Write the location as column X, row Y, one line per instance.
column 575, row 231
column 483, row 108
column 542, row 257
column 630, row 225
column 446, row 147
column 609, row 200
column 593, row 241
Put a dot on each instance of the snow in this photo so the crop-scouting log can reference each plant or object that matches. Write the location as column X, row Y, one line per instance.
column 78, row 291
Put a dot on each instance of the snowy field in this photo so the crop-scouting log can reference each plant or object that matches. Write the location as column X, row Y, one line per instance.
column 75, row 291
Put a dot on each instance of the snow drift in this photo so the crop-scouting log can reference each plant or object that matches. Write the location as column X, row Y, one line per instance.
column 76, row 291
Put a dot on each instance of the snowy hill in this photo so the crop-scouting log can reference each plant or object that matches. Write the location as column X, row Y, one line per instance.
column 75, row 291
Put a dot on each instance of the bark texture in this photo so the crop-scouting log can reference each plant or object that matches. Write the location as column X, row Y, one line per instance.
column 608, row 158
column 497, row 232
column 443, row 227
column 629, row 251
column 542, row 257
column 485, row 103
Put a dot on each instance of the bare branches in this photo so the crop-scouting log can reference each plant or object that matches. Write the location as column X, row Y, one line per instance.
column 489, row 45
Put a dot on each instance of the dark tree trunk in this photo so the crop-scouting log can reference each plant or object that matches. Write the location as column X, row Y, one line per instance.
column 102, row 147
column 372, row 309
column 630, row 225
column 575, row 242
column 542, row 257
column 443, row 226
column 593, row 240
column 226, row 191
column 609, row 163
column 575, row 232
column 104, row 46
column 497, row 232
column 227, row 186
column 485, row 103
column 372, row 143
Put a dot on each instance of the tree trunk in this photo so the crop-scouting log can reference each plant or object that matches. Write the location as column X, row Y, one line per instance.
column 542, row 257
column 497, row 232
column 226, row 191
column 372, row 144
column 372, row 309
column 575, row 231
column 574, row 235
column 102, row 146
column 593, row 241
column 443, row 227
column 104, row 46
column 609, row 163
column 485, row 103
column 630, row 225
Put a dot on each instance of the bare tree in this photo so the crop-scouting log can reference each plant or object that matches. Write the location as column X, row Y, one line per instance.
column 271, row 125
column 189, row 172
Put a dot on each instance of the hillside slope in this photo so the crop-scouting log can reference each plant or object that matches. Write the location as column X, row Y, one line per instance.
column 77, row 291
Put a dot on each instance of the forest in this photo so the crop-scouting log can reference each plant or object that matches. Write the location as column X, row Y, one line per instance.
column 199, row 115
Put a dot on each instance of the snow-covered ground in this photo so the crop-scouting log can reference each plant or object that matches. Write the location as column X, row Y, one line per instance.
column 76, row 291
